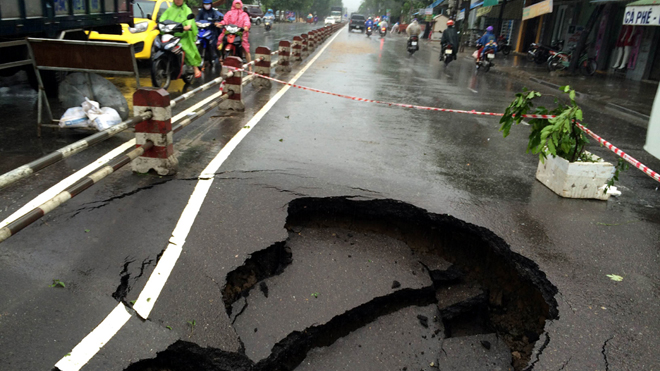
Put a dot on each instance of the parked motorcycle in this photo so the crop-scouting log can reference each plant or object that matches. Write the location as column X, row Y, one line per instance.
column 168, row 60
column 448, row 53
column 541, row 53
column 485, row 61
column 383, row 32
column 232, row 42
column 205, row 42
column 413, row 45
column 562, row 60
column 503, row 45
column 368, row 31
column 268, row 24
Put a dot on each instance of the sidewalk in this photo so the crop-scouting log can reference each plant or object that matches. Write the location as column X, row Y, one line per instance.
column 632, row 97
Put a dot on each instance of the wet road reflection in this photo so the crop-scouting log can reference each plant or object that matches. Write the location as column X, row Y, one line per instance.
column 18, row 141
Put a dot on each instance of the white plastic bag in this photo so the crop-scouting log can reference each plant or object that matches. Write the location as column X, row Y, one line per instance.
column 74, row 117
column 91, row 106
column 101, row 118
column 108, row 117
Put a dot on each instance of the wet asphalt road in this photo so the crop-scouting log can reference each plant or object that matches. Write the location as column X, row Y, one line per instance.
column 320, row 146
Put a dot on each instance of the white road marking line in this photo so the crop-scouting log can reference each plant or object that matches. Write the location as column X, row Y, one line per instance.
column 89, row 346
column 147, row 298
column 96, row 339
column 62, row 185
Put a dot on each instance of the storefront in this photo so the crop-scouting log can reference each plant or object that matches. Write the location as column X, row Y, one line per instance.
column 642, row 18
column 533, row 18
column 625, row 38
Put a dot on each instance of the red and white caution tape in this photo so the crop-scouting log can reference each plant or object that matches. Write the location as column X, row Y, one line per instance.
column 620, row 153
column 607, row 144
column 473, row 112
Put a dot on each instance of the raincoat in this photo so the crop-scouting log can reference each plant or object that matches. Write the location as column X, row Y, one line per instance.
column 211, row 15
column 487, row 41
column 450, row 36
column 239, row 18
column 180, row 14
column 269, row 14
column 413, row 29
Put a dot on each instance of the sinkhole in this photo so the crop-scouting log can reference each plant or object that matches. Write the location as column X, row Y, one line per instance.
column 377, row 285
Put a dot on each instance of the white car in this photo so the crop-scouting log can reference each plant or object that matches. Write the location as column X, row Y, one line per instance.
column 329, row 20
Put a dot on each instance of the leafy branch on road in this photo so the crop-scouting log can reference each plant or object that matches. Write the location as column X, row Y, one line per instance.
column 558, row 136
column 57, row 283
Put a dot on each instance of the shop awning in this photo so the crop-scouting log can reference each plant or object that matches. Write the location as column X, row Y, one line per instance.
column 642, row 13
column 644, row 2
column 472, row 6
column 537, row 9
column 436, row 3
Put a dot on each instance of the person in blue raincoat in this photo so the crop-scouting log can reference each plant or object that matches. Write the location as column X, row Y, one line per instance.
column 369, row 23
column 208, row 13
column 487, row 41
column 269, row 14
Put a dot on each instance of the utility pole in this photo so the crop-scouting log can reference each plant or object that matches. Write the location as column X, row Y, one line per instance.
column 466, row 25
column 499, row 19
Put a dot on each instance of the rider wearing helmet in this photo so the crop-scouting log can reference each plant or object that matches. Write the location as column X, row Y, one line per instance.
column 237, row 16
column 449, row 36
column 208, row 13
column 369, row 23
column 413, row 28
column 269, row 14
column 179, row 12
column 487, row 41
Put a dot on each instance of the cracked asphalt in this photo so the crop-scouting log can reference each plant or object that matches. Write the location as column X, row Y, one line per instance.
column 103, row 244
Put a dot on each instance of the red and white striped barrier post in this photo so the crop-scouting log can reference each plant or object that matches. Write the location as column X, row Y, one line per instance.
column 296, row 49
column 262, row 67
column 157, row 129
column 283, row 64
column 311, row 42
column 304, row 51
column 233, row 84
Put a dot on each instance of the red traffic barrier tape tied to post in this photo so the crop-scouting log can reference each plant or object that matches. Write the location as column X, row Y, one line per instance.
column 620, row 153
column 608, row 145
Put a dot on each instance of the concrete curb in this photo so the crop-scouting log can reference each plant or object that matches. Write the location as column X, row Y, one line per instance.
column 557, row 86
column 613, row 106
column 629, row 111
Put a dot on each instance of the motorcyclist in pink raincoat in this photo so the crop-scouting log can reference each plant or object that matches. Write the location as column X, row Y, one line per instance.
column 238, row 17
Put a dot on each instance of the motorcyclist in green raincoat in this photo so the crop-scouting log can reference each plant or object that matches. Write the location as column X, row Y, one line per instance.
column 179, row 13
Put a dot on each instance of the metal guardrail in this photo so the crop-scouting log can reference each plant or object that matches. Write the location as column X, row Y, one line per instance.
column 155, row 115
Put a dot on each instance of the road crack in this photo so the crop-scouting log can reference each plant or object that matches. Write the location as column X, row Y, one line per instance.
column 538, row 354
column 106, row 202
column 565, row 364
column 607, row 364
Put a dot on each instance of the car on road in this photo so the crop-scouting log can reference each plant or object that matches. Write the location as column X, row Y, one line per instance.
column 256, row 14
column 144, row 31
column 329, row 20
column 357, row 22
